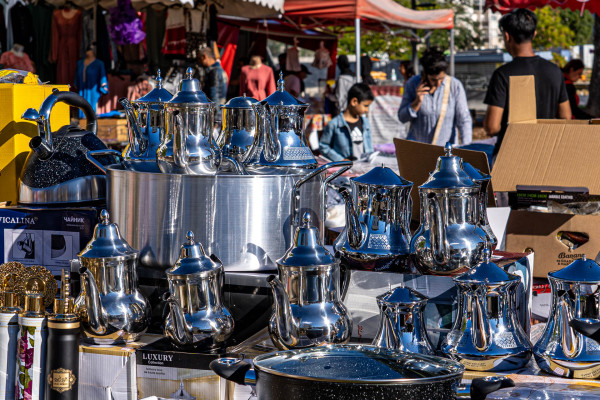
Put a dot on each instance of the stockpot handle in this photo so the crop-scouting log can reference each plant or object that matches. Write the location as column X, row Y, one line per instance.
column 590, row 330
column 92, row 154
column 295, row 204
column 479, row 388
column 233, row 369
column 326, row 182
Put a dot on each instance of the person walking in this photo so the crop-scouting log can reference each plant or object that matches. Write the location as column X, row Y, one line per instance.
column 572, row 72
column 435, row 104
column 215, row 78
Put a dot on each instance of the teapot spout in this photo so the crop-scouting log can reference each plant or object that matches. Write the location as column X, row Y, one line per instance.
column 282, row 326
column 439, row 244
column 176, row 327
column 137, row 141
column 93, row 305
column 355, row 233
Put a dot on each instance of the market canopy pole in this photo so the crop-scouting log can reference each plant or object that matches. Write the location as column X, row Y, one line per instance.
column 452, row 52
column 357, row 49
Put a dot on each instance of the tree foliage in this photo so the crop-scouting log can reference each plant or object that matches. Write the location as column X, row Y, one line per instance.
column 561, row 28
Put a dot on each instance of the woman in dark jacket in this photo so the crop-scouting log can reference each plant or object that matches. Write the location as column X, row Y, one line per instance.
column 572, row 73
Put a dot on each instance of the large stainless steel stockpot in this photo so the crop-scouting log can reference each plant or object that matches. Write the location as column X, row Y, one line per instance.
column 246, row 219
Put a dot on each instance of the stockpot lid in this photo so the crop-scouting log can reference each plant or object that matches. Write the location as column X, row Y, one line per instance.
column 358, row 364
column 581, row 270
column 241, row 103
column 189, row 91
column 193, row 261
column 156, row 95
column 107, row 242
column 281, row 97
column 449, row 173
column 382, row 176
column 306, row 249
column 475, row 174
column 486, row 272
column 401, row 295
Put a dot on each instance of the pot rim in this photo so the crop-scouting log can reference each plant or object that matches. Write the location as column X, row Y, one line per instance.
column 119, row 168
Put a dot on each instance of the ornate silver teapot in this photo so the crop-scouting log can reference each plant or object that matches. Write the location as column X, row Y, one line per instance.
column 188, row 147
column 146, row 123
column 377, row 232
column 402, row 324
column 483, row 180
column 567, row 346
column 197, row 318
column 114, row 310
column 308, row 310
column 487, row 335
column 280, row 139
column 449, row 239
column 239, row 127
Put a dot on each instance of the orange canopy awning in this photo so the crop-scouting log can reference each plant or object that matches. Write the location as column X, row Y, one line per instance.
column 505, row 6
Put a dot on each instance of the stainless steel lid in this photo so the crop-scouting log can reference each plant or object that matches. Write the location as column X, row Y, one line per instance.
column 401, row 295
column 358, row 363
column 107, row 242
column 306, row 249
column 382, row 176
column 449, row 173
column 282, row 98
column 189, row 91
column 475, row 174
column 193, row 261
column 156, row 95
column 242, row 102
column 581, row 270
column 486, row 273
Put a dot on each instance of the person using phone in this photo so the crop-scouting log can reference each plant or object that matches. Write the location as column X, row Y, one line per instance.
column 435, row 104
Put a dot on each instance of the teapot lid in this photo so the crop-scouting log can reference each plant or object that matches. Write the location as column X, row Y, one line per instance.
column 486, row 272
column 281, row 97
column 306, row 249
column 382, row 176
column 156, row 95
column 581, row 270
column 189, row 91
column 193, row 260
column 241, row 102
column 448, row 173
column 107, row 242
column 401, row 295
column 475, row 174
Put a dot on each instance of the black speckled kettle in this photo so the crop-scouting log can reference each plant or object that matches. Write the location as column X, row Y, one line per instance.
column 57, row 170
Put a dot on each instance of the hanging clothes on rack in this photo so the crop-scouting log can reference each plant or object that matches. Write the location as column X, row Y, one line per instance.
column 292, row 59
column 16, row 58
column 322, row 57
column 3, row 34
column 41, row 14
column 174, row 42
column 125, row 25
column 156, row 16
column 212, row 35
column 195, row 30
column 91, row 81
column 22, row 22
column 87, row 31
column 65, row 45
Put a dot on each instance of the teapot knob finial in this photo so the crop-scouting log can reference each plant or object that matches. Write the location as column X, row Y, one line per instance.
column 158, row 79
column 307, row 219
column 104, row 217
column 584, row 257
column 189, row 73
column 448, row 149
column 280, row 82
column 487, row 255
column 190, row 237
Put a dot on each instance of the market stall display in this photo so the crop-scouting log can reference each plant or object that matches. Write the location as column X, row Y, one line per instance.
column 239, row 127
column 483, row 180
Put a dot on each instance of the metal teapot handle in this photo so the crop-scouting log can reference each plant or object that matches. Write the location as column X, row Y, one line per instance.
column 480, row 328
column 326, row 182
column 92, row 154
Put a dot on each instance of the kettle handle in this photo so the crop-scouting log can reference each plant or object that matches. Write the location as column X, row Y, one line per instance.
column 75, row 100
column 92, row 154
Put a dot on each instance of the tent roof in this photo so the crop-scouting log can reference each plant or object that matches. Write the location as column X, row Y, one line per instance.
column 375, row 14
column 505, row 6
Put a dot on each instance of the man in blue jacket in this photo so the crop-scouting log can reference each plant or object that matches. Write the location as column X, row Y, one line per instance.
column 348, row 135
column 215, row 78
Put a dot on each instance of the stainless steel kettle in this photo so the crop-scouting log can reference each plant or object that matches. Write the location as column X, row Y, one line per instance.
column 564, row 349
column 280, row 140
column 378, row 213
column 239, row 127
column 197, row 318
column 450, row 238
column 114, row 309
column 487, row 335
column 146, row 124
column 308, row 310
column 402, row 324
column 188, row 147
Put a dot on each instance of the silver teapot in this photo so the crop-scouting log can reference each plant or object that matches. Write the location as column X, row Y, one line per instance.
column 280, row 139
column 568, row 346
column 113, row 308
column 188, row 146
column 377, row 232
column 402, row 324
column 308, row 311
column 487, row 335
column 483, row 180
column 197, row 318
column 450, row 238
column 146, row 123
column 239, row 127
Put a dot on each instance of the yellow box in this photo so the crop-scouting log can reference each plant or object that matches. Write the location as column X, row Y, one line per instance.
column 15, row 132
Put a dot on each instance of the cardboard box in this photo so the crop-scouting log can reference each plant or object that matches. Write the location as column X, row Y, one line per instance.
column 166, row 372
column 548, row 153
column 110, row 130
column 15, row 132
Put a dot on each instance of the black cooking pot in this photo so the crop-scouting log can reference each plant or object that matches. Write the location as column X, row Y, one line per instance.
column 355, row 372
